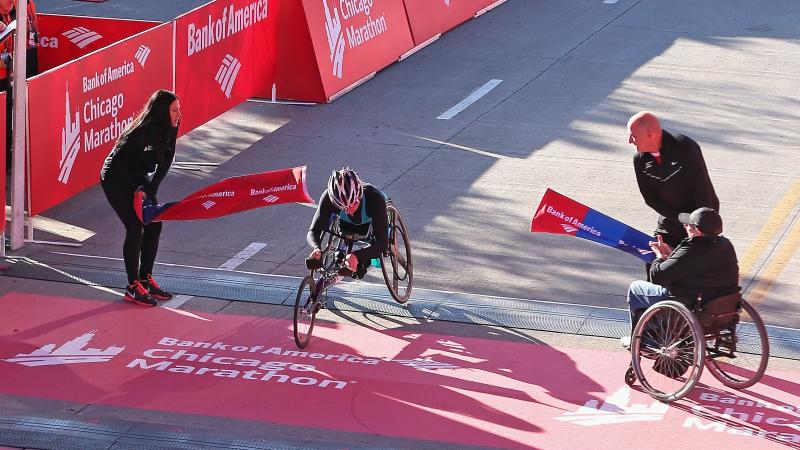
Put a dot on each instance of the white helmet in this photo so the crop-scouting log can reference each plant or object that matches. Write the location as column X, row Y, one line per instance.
column 344, row 188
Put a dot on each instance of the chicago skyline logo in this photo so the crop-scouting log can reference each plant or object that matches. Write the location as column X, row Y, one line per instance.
column 141, row 54
column 424, row 364
column 227, row 73
column 615, row 410
column 335, row 35
column 82, row 36
column 71, row 352
column 70, row 141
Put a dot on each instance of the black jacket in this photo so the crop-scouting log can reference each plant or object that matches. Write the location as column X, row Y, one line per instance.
column 702, row 264
column 375, row 204
column 679, row 184
column 133, row 162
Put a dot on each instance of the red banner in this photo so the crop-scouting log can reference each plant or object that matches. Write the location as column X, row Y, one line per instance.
column 231, row 195
column 3, row 161
column 65, row 38
column 225, row 53
column 349, row 40
column 428, row 18
column 78, row 111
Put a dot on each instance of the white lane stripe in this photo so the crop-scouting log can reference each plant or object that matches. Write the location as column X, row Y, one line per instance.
column 610, row 2
column 243, row 256
column 230, row 264
column 471, row 98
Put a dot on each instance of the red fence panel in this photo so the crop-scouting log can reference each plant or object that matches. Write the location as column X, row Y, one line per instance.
column 66, row 38
column 3, row 160
column 347, row 39
column 428, row 18
column 101, row 93
column 225, row 53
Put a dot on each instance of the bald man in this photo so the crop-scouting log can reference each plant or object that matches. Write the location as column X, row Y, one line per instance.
column 671, row 174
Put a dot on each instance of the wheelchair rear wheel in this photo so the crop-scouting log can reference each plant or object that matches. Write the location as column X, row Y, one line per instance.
column 667, row 350
column 396, row 263
column 738, row 356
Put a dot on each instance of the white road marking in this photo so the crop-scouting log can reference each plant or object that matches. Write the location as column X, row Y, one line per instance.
column 230, row 264
column 609, row 2
column 471, row 98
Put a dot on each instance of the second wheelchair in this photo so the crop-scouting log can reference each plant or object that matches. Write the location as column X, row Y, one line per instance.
column 674, row 339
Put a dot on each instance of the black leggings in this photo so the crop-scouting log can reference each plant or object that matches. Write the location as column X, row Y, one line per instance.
column 141, row 241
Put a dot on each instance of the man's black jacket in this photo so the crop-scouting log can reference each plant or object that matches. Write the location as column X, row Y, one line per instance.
column 700, row 265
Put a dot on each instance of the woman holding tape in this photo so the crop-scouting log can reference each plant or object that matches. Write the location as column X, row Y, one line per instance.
column 141, row 158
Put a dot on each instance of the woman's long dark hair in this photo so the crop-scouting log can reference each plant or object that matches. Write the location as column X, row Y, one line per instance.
column 155, row 118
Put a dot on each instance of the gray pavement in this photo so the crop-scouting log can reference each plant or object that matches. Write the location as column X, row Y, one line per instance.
column 723, row 72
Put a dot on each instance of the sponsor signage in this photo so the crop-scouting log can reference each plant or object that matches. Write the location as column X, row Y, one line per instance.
column 428, row 18
column 231, row 195
column 66, row 38
column 349, row 40
column 224, row 54
column 3, row 161
column 452, row 389
column 559, row 214
column 78, row 111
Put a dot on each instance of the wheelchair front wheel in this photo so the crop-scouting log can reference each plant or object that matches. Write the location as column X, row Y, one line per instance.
column 306, row 306
column 396, row 263
column 667, row 350
column 738, row 357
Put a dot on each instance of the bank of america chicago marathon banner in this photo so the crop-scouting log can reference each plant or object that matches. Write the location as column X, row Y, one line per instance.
column 428, row 18
column 225, row 53
column 229, row 196
column 349, row 39
column 77, row 111
column 559, row 214
column 452, row 389
column 66, row 38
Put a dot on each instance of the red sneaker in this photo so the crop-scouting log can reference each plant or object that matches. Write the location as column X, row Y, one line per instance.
column 136, row 293
column 155, row 289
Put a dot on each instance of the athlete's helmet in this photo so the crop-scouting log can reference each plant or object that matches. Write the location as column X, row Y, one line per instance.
column 344, row 188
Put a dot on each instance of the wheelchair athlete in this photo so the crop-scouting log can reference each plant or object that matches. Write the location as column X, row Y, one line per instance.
column 361, row 208
column 703, row 264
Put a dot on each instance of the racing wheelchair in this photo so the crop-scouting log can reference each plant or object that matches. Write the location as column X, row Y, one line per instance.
column 396, row 265
column 674, row 339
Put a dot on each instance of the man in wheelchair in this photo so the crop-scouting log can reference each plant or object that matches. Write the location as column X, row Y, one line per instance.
column 361, row 209
column 703, row 265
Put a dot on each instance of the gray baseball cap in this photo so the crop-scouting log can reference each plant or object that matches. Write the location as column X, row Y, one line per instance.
column 705, row 219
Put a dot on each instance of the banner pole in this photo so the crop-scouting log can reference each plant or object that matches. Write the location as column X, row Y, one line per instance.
column 20, row 93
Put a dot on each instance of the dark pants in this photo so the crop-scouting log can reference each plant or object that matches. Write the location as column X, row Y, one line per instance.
column 141, row 241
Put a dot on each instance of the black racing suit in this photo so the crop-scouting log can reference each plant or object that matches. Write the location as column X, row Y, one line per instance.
column 680, row 184
column 704, row 265
column 130, row 165
column 369, row 219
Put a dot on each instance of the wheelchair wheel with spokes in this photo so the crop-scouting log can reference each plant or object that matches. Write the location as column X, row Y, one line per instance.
column 396, row 263
column 667, row 350
column 305, row 311
column 738, row 356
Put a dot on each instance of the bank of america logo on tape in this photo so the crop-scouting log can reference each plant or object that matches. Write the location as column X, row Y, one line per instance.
column 226, row 75
column 141, row 54
column 208, row 204
column 71, row 352
column 333, row 31
column 568, row 228
column 82, row 36
column 615, row 410
column 70, row 142
column 271, row 198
